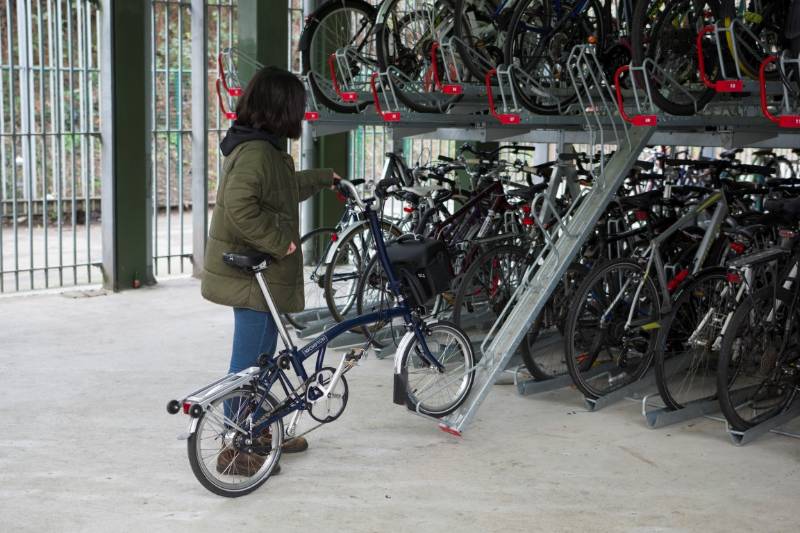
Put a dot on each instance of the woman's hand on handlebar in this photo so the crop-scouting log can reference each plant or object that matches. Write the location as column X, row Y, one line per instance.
column 292, row 248
column 336, row 179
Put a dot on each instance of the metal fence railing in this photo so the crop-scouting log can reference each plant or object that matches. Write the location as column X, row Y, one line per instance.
column 49, row 144
column 171, row 121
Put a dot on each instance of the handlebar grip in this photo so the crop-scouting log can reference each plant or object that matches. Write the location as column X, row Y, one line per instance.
column 446, row 159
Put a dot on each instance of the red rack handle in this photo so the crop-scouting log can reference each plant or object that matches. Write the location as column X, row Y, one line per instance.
column 636, row 120
column 387, row 116
column 230, row 115
column 783, row 121
column 447, row 88
column 721, row 86
column 233, row 91
column 311, row 116
column 504, row 118
column 350, row 97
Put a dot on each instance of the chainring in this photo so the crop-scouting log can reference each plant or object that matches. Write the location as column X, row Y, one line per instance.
column 322, row 407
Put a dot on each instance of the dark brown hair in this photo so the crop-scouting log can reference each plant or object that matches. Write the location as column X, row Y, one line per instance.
column 274, row 101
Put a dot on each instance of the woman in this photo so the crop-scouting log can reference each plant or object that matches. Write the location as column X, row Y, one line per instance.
column 257, row 209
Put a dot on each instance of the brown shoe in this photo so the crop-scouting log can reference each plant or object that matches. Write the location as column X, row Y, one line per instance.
column 233, row 463
column 295, row 445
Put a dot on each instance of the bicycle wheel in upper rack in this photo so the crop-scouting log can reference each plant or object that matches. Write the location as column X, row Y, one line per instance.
column 602, row 354
column 665, row 31
column 542, row 52
column 334, row 26
column 757, row 373
column 406, row 31
column 481, row 33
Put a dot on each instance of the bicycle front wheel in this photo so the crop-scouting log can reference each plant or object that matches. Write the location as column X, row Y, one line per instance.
column 221, row 458
column 431, row 391
column 757, row 376
column 610, row 333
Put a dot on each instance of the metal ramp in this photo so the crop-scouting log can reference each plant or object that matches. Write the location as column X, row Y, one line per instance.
column 565, row 240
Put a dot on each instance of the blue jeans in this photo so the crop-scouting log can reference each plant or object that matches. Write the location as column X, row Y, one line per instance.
column 254, row 333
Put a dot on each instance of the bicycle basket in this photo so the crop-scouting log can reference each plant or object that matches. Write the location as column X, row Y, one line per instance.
column 422, row 266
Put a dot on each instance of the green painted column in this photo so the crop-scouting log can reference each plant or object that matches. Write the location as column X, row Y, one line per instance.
column 333, row 153
column 126, row 176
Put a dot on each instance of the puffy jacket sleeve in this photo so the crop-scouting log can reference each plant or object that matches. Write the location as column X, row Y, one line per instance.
column 256, row 226
column 310, row 182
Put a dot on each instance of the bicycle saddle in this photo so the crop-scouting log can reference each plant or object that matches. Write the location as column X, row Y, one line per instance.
column 527, row 193
column 643, row 201
column 246, row 260
column 788, row 210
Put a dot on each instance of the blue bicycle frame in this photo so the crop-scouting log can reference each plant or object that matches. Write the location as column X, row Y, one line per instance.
column 274, row 371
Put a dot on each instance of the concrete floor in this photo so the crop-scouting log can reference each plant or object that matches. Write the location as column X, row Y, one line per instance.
column 86, row 444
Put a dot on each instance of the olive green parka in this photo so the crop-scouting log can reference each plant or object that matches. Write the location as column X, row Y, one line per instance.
column 257, row 209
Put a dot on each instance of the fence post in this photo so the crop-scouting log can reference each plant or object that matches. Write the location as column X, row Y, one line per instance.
column 199, row 135
column 125, row 203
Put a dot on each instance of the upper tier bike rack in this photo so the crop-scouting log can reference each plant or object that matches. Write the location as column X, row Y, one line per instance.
column 564, row 240
column 452, row 84
column 639, row 119
column 389, row 111
column 339, row 61
column 510, row 112
column 725, row 84
column 790, row 118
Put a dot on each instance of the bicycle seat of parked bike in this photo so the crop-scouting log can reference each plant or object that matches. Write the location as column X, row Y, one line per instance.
column 788, row 209
column 526, row 193
column 643, row 201
column 247, row 260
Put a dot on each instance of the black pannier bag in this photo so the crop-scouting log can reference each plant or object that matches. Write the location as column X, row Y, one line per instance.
column 423, row 267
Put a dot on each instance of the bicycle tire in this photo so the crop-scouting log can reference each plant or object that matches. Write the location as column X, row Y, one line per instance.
column 468, row 53
column 536, row 363
column 290, row 318
column 581, row 362
column 732, row 358
column 546, row 15
column 369, row 280
column 200, row 469
column 363, row 256
column 641, row 19
column 406, row 359
column 386, row 38
column 687, row 319
column 501, row 283
column 329, row 8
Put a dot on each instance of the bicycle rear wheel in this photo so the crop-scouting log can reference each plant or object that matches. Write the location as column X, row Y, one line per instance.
column 542, row 51
column 336, row 25
column 757, row 375
column 689, row 339
column 487, row 286
column 665, row 31
column 603, row 353
column 404, row 44
column 221, row 459
column 550, row 363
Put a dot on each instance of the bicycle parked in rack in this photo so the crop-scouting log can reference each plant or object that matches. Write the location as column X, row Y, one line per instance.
column 241, row 414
